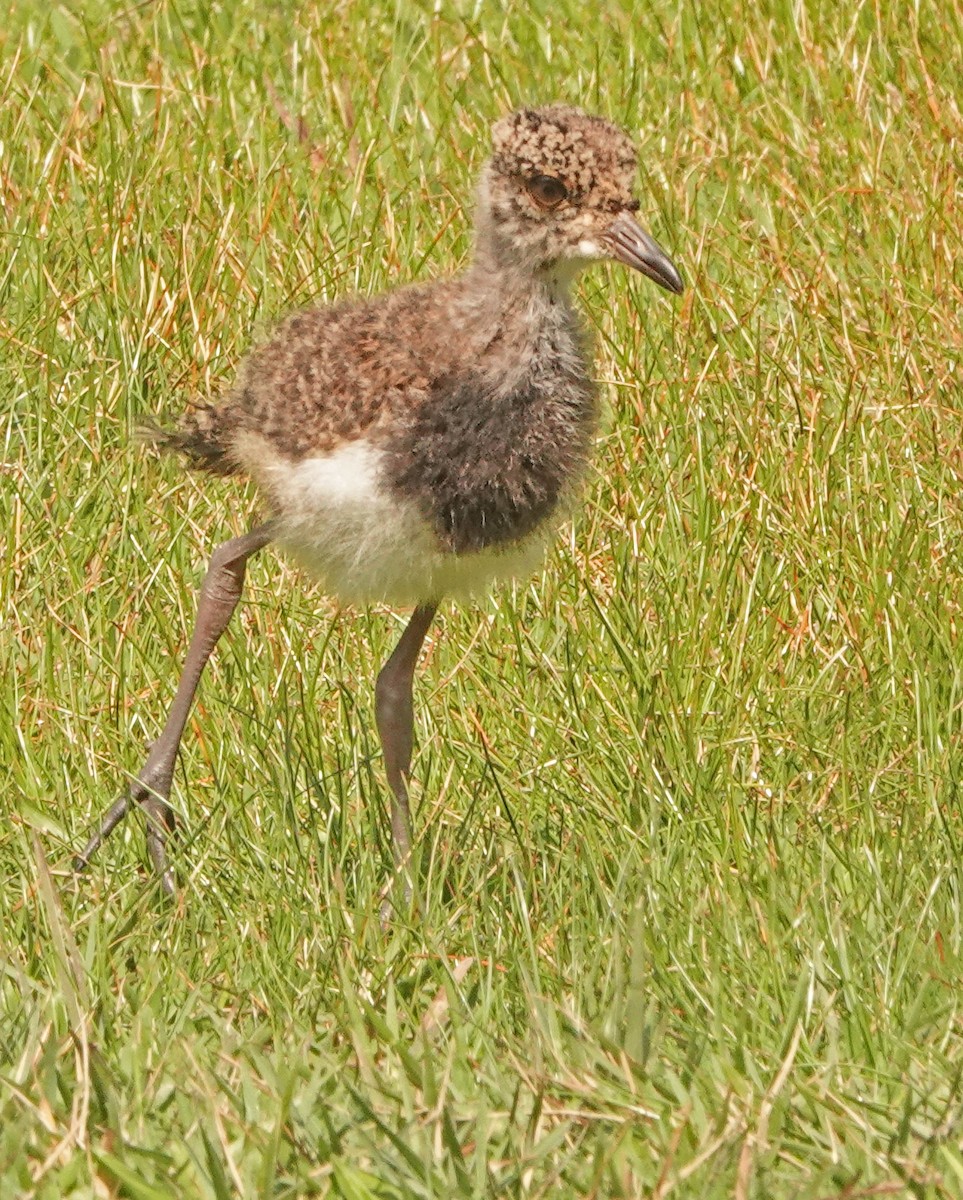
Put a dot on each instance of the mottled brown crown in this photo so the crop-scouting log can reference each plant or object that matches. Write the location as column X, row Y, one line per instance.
column 556, row 179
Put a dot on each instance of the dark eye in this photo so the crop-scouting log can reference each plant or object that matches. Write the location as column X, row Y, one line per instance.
column 547, row 191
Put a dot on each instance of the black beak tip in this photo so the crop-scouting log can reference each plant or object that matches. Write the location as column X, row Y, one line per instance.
column 669, row 277
column 663, row 271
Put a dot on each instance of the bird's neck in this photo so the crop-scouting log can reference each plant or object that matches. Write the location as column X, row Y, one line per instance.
column 499, row 269
column 522, row 317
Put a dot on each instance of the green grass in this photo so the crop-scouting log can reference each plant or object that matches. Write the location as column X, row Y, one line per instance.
column 692, row 920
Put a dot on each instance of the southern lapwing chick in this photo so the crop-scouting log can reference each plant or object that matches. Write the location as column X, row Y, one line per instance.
column 424, row 444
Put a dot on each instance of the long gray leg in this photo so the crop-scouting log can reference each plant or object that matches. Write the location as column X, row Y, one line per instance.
column 395, row 718
column 219, row 595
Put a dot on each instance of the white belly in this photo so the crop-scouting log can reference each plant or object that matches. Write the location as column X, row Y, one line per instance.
column 364, row 544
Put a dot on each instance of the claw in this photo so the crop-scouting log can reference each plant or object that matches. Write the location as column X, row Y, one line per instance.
column 112, row 818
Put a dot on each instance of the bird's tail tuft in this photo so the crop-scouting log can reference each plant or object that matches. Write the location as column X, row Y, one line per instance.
column 200, row 437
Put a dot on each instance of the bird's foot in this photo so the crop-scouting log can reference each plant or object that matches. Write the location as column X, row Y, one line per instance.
column 149, row 791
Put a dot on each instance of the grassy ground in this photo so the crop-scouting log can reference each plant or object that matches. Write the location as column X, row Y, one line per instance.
column 690, row 798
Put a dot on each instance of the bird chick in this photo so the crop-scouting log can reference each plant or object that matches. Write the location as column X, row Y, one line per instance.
column 420, row 445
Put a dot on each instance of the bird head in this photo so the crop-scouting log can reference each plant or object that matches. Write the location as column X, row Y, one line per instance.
column 559, row 189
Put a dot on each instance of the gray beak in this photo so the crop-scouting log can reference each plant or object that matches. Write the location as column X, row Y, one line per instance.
column 629, row 243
